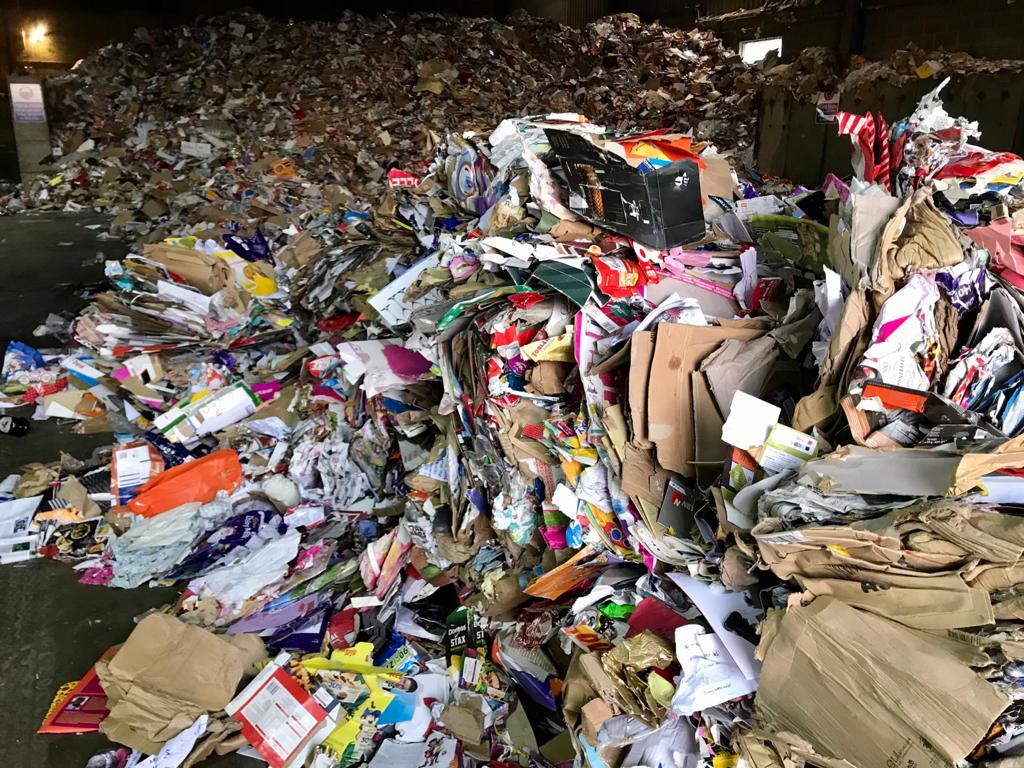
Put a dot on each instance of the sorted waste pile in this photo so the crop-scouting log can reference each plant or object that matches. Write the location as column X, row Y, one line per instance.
column 817, row 69
column 244, row 115
column 578, row 449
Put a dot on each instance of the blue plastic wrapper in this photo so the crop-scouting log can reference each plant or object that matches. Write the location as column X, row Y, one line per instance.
column 574, row 535
column 516, row 381
column 397, row 655
column 255, row 248
column 173, row 453
column 225, row 359
column 303, row 635
column 965, row 218
column 20, row 357
column 235, row 532
column 479, row 500
column 450, row 224
column 966, row 290
column 356, row 217
column 401, row 708
column 536, row 690
column 395, row 406
column 367, row 529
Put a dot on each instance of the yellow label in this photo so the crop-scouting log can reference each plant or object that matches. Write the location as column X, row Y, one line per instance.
column 1008, row 178
column 555, row 349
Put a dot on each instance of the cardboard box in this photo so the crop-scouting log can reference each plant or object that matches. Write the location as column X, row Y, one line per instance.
column 678, row 353
column 661, row 208
column 187, row 422
column 207, row 273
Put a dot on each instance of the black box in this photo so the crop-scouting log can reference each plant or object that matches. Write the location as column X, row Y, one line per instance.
column 661, row 208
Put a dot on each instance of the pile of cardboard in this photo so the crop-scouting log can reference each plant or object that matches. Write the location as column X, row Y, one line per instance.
column 578, row 447
column 911, row 63
column 818, row 70
column 246, row 116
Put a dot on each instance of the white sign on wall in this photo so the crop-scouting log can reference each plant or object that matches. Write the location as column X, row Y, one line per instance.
column 27, row 103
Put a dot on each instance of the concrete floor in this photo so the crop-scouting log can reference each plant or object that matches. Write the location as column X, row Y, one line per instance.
column 53, row 628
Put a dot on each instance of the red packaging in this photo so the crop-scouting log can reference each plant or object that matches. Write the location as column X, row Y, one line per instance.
column 399, row 178
column 618, row 278
column 277, row 716
column 82, row 707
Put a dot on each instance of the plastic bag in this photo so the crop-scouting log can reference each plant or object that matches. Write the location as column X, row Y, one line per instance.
column 197, row 480
column 20, row 357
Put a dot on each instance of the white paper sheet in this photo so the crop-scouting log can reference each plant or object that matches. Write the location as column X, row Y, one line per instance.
column 390, row 301
column 716, row 607
column 232, row 584
column 16, row 515
column 750, row 420
column 438, row 751
column 194, row 300
column 173, row 753
column 709, row 675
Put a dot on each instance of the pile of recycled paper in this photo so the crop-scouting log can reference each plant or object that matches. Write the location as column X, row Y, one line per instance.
column 242, row 114
column 577, row 449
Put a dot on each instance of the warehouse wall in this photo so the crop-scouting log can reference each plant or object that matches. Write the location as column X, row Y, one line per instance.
column 799, row 28
column 873, row 28
column 992, row 29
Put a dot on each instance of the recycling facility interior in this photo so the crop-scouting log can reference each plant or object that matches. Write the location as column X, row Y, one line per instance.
column 50, row 257
column 869, row 28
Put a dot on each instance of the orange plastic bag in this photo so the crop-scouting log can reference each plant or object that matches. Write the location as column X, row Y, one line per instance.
column 197, row 480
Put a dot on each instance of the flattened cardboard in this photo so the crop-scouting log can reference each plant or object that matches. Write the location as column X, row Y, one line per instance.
column 165, row 675
column 641, row 475
column 974, row 466
column 715, row 181
column 619, row 357
column 77, row 497
column 904, row 472
column 641, row 355
column 832, row 673
column 709, row 450
column 870, row 214
column 847, row 347
column 678, row 353
column 738, row 366
column 207, row 273
column 594, row 714
column 936, row 602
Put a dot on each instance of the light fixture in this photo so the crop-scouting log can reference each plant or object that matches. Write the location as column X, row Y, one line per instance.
column 36, row 33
